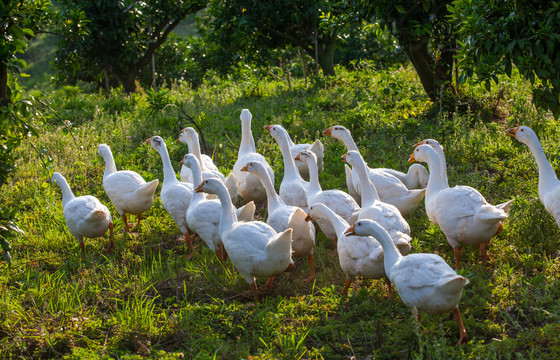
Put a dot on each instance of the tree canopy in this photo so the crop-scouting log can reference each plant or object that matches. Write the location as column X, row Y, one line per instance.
column 120, row 37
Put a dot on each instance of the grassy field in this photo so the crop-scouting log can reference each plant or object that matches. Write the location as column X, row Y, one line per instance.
column 149, row 301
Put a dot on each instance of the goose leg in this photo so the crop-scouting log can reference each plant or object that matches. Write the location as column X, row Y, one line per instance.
column 462, row 330
column 346, row 286
column 111, row 247
column 127, row 225
column 389, row 287
column 483, row 253
column 270, row 281
column 189, row 239
column 311, row 261
column 457, row 252
column 254, row 290
column 138, row 217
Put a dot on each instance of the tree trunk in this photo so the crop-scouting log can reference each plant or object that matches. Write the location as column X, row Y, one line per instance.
column 326, row 56
column 423, row 64
column 435, row 76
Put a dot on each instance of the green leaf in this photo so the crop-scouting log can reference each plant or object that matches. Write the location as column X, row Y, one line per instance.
column 401, row 9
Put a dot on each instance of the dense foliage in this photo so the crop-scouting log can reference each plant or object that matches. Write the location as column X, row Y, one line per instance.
column 498, row 35
column 109, row 39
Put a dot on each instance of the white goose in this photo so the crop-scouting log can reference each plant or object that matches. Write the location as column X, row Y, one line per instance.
column 85, row 216
column 357, row 255
column 203, row 214
column 373, row 208
column 254, row 247
column 549, row 186
column 391, row 189
column 293, row 188
column 189, row 136
column 461, row 212
column 336, row 200
column 282, row 217
column 126, row 189
column 317, row 148
column 249, row 186
column 424, row 281
column 175, row 195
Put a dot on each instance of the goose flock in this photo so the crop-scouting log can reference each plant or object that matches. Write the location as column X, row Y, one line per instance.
column 367, row 224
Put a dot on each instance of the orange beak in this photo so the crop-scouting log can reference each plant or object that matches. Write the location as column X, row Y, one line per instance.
column 148, row 140
column 308, row 217
column 181, row 162
column 245, row 168
column 199, row 188
column 327, row 132
column 350, row 230
column 268, row 127
column 511, row 132
column 343, row 157
column 298, row 157
column 411, row 158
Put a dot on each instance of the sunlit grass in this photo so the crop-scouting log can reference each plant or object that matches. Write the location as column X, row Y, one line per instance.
column 148, row 300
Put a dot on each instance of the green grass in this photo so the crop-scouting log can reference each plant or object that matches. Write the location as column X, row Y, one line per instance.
column 149, row 301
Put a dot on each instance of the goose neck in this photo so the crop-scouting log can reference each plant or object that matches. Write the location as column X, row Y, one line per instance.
column 197, row 179
column 247, row 141
column 338, row 223
column 547, row 174
column 290, row 169
column 438, row 176
column 348, row 141
column 110, row 166
column 168, row 172
column 67, row 193
column 314, row 184
column 228, row 217
column 273, row 200
column 367, row 189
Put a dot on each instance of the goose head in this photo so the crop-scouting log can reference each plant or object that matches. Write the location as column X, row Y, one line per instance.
column 337, row 131
column 522, row 133
column 422, row 153
column 246, row 116
column 352, row 157
column 305, row 155
column 188, row 135
column 188, row 160
column 210, row 186
column 56, row 177
column 156, row 142
column 315, row 211
column 253, row 167
column 277, row 131
column 366, row 227
column 433, row 143
column 103, row 150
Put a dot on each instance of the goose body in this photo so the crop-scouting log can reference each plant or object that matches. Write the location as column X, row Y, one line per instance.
column 391, row 190
column 424, row 281
column 293, row 188
column 373, row 208
column 254, row 247
column 282, row 216
column 249, row 186
column 175, row 195
column 461, row 212
column 127, row 190
column 203, row 214
column 549, row 185
column 338, row 201
column 85, row 216
column 357, row 255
